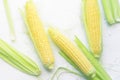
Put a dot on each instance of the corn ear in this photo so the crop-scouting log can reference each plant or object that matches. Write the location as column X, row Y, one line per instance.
column 99, row 69
column 18, row 60
column 39, row 36
column 92, row 23
column 10, row 21
column 72, row 52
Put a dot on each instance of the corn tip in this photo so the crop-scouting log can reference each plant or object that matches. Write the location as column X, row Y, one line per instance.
column 51, row 30
column 28, row 3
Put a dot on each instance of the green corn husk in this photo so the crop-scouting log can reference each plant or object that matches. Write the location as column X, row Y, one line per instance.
column 18, row 60
column 10, row 21
column 108, row 11
column 111, row 9
column 119, row 8
column 99, row 69
column 115, row 10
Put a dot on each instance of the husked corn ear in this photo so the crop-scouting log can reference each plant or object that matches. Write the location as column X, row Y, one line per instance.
column 93, row 25
column 39, row 36
column 18, row 60
column 72, row 52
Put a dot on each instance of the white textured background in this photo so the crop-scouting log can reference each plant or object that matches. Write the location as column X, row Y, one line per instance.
column 65, row 15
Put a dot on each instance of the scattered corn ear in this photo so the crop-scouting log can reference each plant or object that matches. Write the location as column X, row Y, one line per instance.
column 38, row 35
column 108, row 11
column 99, row 69
column 72, row 52
column 92, row 22
column 10, row 21
column 18, row 60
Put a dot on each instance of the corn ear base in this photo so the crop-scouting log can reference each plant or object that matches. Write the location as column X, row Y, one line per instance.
column 39, row 36
column 99, row 69
column 18, row 60
column 92, row 22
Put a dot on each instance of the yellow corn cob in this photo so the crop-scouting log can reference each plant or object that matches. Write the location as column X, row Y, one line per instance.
column 39, row 36
column 93, row 25
column 72, row 52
